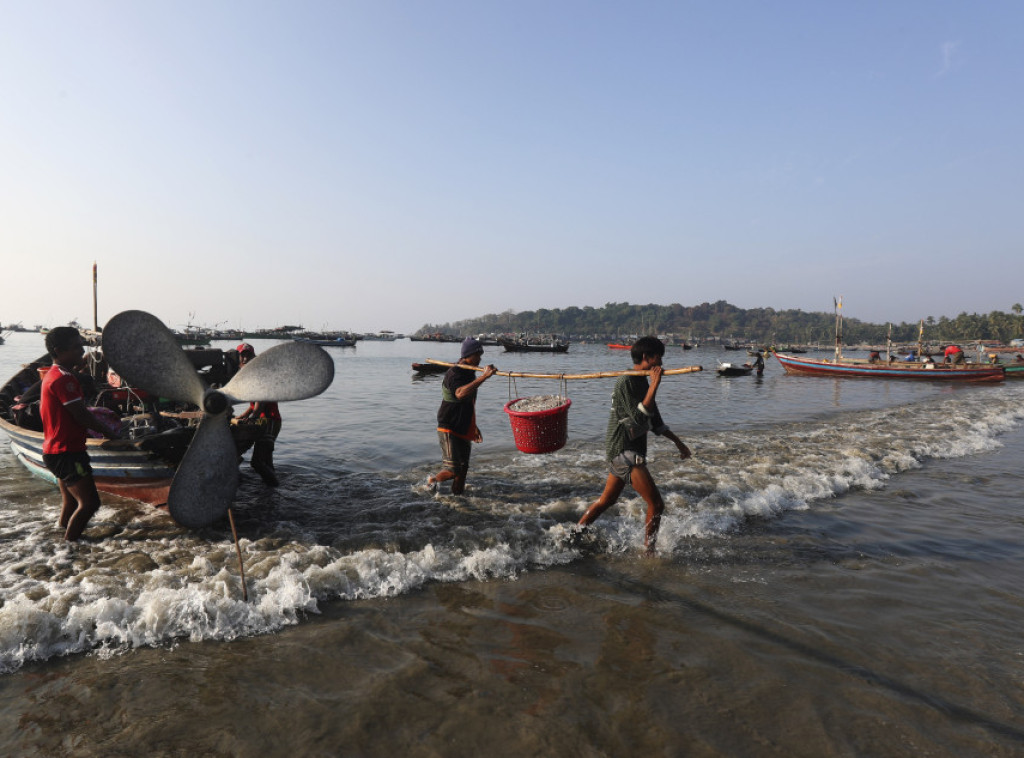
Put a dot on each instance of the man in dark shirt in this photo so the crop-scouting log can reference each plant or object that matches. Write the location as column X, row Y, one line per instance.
column 634, row 413
column 456, row 418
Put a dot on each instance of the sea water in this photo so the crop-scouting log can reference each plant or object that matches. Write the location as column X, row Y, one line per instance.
column 837, row 574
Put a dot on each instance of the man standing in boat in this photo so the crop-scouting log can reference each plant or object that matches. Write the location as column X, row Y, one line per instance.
column 66, row 421
column 456, row 418
column 634, row 413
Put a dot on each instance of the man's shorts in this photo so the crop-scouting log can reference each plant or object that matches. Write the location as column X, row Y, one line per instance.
column 455, row 452
column 622, row 464
column 68, row 467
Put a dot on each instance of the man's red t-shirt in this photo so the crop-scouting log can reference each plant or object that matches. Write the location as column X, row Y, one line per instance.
column 61, row 433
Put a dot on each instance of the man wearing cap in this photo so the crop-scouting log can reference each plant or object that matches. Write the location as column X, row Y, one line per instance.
column 456, row 418
column 268, row 417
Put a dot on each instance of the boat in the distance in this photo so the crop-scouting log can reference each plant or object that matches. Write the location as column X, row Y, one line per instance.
column 731, row 369
column 523, row 344
column 326, row 339
column 424, row 369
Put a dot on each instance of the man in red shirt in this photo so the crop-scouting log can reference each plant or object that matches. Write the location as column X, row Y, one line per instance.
column 267, row 415
column 953, row 354
column 66, row 419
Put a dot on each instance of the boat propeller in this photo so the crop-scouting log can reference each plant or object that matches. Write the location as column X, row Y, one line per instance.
column 141, row 349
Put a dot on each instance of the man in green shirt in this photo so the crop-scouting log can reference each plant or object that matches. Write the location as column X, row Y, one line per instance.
column 634, row 413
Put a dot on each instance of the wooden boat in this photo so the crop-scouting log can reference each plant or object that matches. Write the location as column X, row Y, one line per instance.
column 140, row 467
column 424, row 369
column 327, row 340
column 728, row 369
column 524, row 345
column 854, row 367
column 879, row 369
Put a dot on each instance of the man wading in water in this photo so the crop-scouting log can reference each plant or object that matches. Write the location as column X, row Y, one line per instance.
column 633, row 414
column 456, row 418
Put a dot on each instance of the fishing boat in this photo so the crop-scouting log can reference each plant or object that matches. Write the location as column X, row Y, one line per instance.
column 424, row 369
column 859, row 367
column 618, row 346
column 141, row 466
column 729, row 369
column 327, row 340
column 524, row 344
column 884, row 368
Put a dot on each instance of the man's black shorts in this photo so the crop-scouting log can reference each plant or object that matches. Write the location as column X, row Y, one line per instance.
column 68, row 467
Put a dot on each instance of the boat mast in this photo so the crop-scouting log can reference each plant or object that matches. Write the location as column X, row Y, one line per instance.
column 839, row 326
column 95, row 317
column 920, row 341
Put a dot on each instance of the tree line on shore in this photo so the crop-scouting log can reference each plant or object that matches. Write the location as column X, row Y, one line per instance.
column 721, row 321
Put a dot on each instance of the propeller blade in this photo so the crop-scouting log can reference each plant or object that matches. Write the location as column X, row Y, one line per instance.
column 207, row 477
column 292, row 371
column 141, row 349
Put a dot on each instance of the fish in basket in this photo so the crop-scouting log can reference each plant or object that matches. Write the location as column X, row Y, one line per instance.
column 540, row 424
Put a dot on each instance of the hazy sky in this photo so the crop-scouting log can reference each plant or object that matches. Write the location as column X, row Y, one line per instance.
column 380, row 165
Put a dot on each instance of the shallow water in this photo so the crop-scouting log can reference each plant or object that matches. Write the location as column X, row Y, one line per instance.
column 837, row 575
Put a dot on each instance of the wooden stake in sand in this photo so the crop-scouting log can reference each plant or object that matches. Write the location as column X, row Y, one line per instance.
column 241, row 566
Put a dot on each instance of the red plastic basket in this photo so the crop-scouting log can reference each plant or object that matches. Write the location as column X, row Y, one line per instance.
column 539, row 431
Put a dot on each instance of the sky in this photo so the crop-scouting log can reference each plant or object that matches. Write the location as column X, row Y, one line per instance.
column 371, row 164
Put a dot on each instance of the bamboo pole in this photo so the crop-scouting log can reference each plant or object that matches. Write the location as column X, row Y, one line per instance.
column 597, row 375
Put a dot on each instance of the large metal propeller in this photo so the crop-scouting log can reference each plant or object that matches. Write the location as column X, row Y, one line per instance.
column 141, row 349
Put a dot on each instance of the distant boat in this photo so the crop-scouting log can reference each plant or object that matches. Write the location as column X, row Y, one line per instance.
column 425, row 369
column 325, row 341
column 533, row 345
column 383, row 336
column 728, row 369
column 436, row 337
column 617, row 346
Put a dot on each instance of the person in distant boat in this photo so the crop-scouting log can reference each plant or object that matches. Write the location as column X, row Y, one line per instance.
column 759, row 364
column 1018, row 358
column 456, row 417
column 953, row 354
column 268, row 417
column 634, row 413
column 66, row 422
column 874, row 357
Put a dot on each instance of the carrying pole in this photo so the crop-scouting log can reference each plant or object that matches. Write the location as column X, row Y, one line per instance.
column 596, row 375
